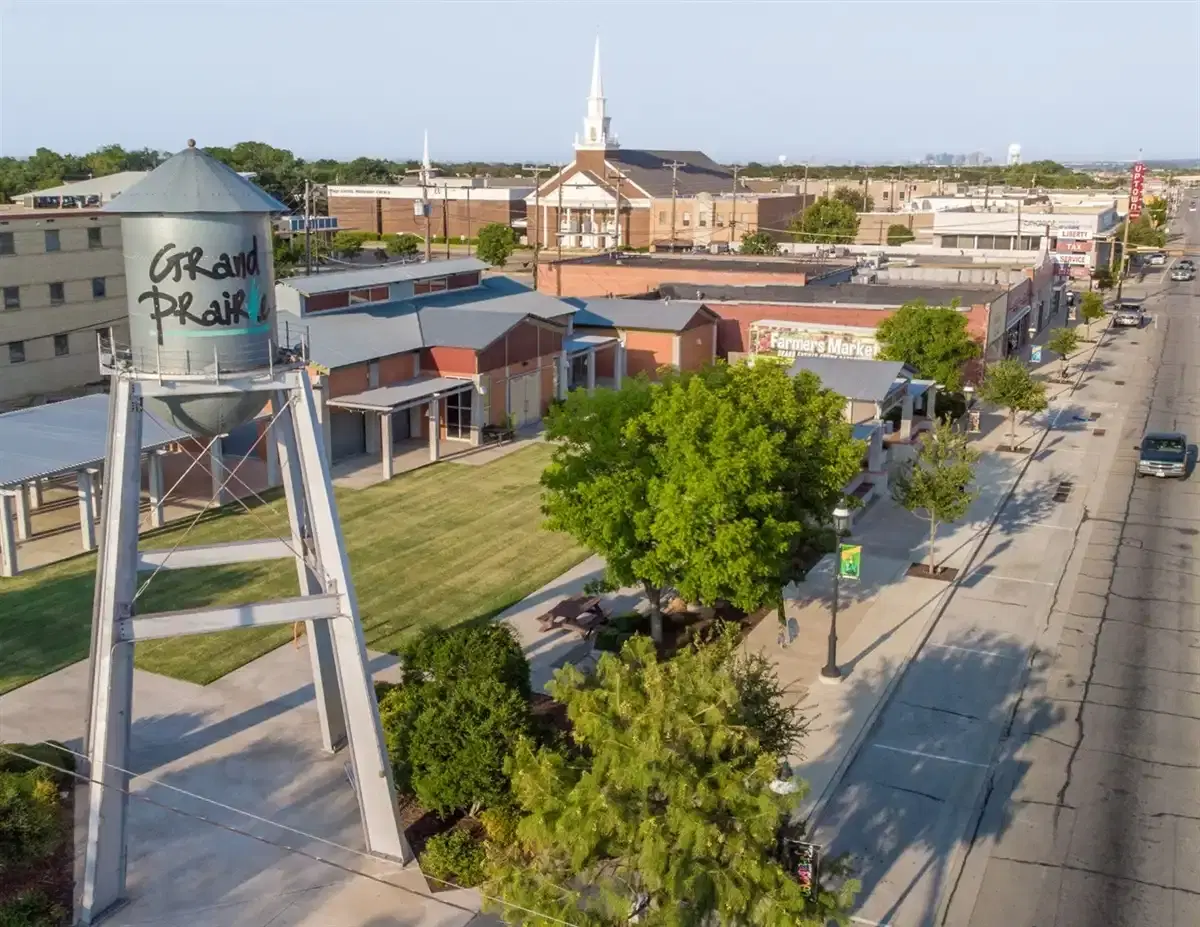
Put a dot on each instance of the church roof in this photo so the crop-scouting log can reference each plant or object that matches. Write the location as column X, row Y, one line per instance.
column 651, row 170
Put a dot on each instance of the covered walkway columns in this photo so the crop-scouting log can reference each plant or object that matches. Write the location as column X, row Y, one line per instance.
column 581, row 355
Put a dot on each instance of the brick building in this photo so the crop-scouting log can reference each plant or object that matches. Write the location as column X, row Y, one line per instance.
column 621, row 274
column 652, row 333
column 612, row 197
column 457, row 206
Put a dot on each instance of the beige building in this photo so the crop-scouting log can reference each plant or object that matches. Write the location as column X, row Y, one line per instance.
column 62, row 279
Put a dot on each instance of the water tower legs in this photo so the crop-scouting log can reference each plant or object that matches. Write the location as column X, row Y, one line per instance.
column 326, row 602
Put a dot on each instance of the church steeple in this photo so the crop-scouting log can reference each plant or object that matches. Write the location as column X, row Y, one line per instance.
column 595, row 124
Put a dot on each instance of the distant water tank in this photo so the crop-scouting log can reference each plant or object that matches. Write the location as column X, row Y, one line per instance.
column 1014, row 154
column 200, row 284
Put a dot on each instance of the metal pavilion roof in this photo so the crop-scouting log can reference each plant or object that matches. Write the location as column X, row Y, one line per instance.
column 62, row 437
column 191, row 182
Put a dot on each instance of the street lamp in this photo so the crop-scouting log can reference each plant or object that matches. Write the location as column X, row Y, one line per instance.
column 841, row 527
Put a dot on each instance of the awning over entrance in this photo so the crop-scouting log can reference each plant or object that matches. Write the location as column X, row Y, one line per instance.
column 581, row 344
column 402, row 395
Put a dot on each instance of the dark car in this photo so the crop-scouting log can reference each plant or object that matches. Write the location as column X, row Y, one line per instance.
column 1163, row 454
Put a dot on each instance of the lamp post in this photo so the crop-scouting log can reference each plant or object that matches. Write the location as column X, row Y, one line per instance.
column 830, row 672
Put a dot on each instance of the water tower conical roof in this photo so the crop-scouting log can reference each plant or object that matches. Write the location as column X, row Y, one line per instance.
column 193, row 181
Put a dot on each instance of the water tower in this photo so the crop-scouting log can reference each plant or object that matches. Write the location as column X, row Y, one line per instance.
column 204, row 353
column 1014, row 154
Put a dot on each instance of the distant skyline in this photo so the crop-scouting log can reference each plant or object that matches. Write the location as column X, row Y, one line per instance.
column 507, row 81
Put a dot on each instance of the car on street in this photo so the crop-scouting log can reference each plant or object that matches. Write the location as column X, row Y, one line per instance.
column 1187, row 264
column 1182, row 274
column 1156, row 260
column 1129, row 314
column 1163, row 454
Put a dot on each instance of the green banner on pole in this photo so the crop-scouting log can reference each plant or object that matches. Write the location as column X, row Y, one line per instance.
column 849, row 561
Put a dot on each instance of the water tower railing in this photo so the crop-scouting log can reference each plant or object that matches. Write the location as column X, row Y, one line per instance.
column 292, row 349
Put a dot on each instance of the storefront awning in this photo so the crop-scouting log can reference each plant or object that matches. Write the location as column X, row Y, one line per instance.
column 401, row 395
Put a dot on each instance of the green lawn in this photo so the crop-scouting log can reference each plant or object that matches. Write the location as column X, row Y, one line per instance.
column 437, row 547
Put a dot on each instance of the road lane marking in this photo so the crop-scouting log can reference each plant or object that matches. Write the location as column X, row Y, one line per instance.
column 982, row 653
column 1009, row 579
column 932, row 756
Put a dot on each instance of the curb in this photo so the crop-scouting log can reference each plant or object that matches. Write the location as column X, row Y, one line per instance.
column 956, row 864
column 813, row 820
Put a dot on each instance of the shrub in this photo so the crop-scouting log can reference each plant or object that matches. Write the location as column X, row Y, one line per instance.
column 29, row 827
column 50, row 752
column 898, row 233
column 449, row 728
column 488, row 651
column 460, row 741
column 454, row 856
column 496, row 244
column 403, row 245
column 31, row 909
column 610, row 639
column 500, row 823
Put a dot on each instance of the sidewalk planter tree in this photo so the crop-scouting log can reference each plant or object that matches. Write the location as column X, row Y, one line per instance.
column 1010, row 386
column 665, row 805
column 1091, row 309
column 932, row 339
column 937, row 484
column 1063, row 342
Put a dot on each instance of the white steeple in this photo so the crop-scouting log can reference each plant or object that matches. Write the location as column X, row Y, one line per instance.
column 425, row 165
column 595, row 123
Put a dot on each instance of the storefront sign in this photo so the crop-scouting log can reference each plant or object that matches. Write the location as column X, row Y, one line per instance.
column 1067, row 259
column 1075, row 234
column 790, row 341
column 1136, row 187
column 371, row 192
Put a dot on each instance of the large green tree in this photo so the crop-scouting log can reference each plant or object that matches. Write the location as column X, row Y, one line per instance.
column 898, row 234
column 496, row 244
column 932, row 339
column 750, row 461
column 597, row 485
column 826, row 222
column 937, row 483
column 856, row 198
column 758, row 243
column 664, row 807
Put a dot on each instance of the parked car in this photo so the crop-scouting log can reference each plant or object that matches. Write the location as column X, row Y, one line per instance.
column 1129, row 314
column 1163, row 454
column 1157, row 260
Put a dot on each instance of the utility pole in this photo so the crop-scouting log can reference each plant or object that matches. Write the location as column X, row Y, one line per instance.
column 733, row 208
column 559, row 235
column 618, row 177
column 674, row 166
column 446, row 217
column 537, row 216
column 1020, row 200
column 987, row 189
column 469, row 216
column 307, row 226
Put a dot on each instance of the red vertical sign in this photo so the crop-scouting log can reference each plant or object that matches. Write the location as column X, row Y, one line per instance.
column 1136, row 184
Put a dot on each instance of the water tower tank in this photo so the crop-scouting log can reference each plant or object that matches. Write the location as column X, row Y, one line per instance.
column 200, row 283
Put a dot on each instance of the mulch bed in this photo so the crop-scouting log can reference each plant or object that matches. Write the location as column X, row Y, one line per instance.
column 420, row 825
column 1009, row 449
column 54, row 876
column 921, row 571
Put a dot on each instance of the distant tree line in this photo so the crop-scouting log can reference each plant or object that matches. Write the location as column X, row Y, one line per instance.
column 1048, row 174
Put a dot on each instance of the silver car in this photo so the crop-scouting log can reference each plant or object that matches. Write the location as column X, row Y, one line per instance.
column 1129, row 315
column 1163, row 454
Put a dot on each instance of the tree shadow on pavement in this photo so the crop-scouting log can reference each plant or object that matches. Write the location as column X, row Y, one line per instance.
column 914, row 790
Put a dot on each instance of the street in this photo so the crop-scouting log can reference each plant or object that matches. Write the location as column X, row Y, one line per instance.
column 1096, row 816
column 1062, row 684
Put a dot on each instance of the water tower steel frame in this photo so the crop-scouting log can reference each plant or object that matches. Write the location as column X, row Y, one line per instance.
column 343, row 685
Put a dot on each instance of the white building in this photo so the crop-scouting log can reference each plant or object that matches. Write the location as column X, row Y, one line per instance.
column 1014, row 154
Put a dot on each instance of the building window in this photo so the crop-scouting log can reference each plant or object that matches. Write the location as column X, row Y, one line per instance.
column 62, row 346
column 703, row 220
column 687, row 219
column 12, row 297
column 1031, row 243
column 6, row 243
column 98, row 288
column 987, row 242
column 57, row 296
column 52, row 243
column 885, row 195
column 16, row 352
column 662, row 217
column 1004, row 243
column 458, row 414
column 950, row 241
column 436, row 285
column 95, row 238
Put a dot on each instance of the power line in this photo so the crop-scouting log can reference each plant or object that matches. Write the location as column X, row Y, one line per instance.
column 82, row 777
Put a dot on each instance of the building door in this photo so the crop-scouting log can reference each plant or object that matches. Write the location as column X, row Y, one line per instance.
column 348, row 434
column 524, row 398
column 401, row 421
column 458, row 414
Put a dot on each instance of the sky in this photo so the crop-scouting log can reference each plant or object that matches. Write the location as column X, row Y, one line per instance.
column 492, row 80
